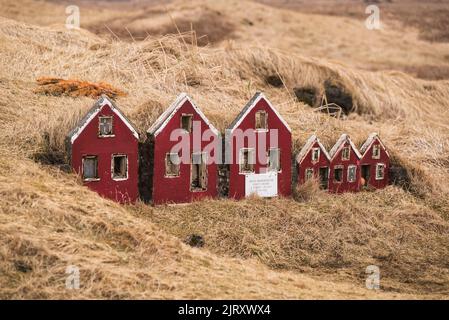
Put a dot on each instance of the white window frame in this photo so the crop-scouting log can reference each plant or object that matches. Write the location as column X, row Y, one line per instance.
column 121, row 155
column 342, row 173
column 383, row 171
column 191, row 121
column 279, row 160
column 252, row 152
column 318, row 156
column 355, row 173
column 376, row 147
column 165, row 165
column 306, row 174
column 266, row 121
column 82, row 168
column 100, row 135
column 203, row 156
column 349, row 153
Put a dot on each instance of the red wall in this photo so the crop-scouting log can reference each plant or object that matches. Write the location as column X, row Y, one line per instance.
column 344, row 186
column 177, row 189
column 384, row 158
column 88, row 143
column 307, row 163
column 237, row 180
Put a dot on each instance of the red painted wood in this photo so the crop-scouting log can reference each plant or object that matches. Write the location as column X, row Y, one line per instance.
column 177, row 189
column 124, row 142
column 307, row 162
column 367, row 159
column 345, row 185
column 236, row 179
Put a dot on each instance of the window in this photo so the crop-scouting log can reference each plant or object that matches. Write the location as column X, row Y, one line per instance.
column 380, row 171
column 315, row 154
column 186, row 122
column 309, row 174
column 246, row 160
column 90, row 168
column 376, row 151
column 352, row 173
column 105, row 126
column 198, row 179
column 172, row 163
column 324, row 177
column 338, row 174
column 119, row 167
column 345, row 153
column 261, row 120
column 274, row 159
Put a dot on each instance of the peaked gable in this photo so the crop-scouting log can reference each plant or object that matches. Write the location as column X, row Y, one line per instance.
column 308, row 146
column 340, row 142
column 249, row 106
column 369, row 142
column 93, row 112
column 170, row 112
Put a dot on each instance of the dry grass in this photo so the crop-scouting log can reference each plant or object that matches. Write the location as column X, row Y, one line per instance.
column 327, row 235
column 254, row 248
column 430, row 17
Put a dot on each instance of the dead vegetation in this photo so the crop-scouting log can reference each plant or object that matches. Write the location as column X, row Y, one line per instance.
column 252, row 249
column 429, row 17
column 76, row 88
column 327, row 234
column 210, row 27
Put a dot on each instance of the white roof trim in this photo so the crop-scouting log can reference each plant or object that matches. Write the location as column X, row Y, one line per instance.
column 338, row 145
column 99, row 105
column 259, row 96
column 367, row 144
column 306, row 148
column 169, row 113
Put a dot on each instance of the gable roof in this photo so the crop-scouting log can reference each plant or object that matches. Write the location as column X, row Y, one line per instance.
column 82, row 124
column 343, row 138
column 169, row 113
column 367, row 144
column 305, row 149
column 249, row 106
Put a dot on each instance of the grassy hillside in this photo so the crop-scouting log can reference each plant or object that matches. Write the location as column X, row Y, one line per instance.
column 316, row 246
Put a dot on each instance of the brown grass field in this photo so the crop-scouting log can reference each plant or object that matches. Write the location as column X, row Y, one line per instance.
column 314, row 245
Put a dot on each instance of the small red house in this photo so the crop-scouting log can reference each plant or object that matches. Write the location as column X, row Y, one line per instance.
column 183, row 146
column 103, row 149
column 258, row 146
column 313, row 162
column 375, row 163
column 344, row 166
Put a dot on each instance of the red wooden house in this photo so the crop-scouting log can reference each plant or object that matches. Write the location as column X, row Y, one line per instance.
column 313, row 162
column 103, row 149
column 375, row 163
column 259, row 151
column 184, row 167
column 344, row 166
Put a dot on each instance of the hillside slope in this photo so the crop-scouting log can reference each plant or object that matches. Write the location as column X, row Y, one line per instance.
column 315, row 247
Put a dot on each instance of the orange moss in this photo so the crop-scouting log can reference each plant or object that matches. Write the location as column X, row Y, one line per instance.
column 75, row 88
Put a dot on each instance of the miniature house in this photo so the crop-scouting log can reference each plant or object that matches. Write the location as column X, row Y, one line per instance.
column 375, row 163
column 259, row 151
column 184, row 167
column 103, row 149
column 312, row 162
column 344, row 166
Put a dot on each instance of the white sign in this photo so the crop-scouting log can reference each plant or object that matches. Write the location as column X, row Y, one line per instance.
column 262, row 184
